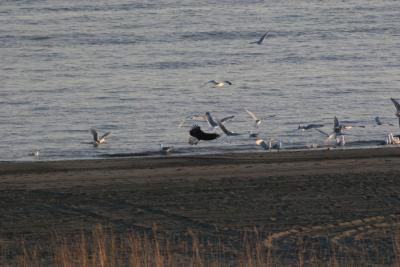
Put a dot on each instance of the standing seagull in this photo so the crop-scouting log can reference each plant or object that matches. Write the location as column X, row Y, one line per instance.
column 397, row 105
column 261, row 39
column 218, row 83
column 96, row 140
column 165, row 149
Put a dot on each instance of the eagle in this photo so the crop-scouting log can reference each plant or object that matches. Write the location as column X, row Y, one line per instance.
column 197, row 134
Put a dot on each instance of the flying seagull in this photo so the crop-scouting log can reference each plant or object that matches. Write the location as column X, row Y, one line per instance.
column 261, row 39
column 392, row 140
column 96, row 140
column 397, row 105
column 337, row 133
column 208, row 118
column 214, row 124
column 257, row 121
column 218, row 83
column 197, row 134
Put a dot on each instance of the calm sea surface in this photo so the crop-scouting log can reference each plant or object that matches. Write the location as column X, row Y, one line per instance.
column 136, row 68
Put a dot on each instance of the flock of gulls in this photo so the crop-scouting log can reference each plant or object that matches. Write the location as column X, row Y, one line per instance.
column 197, row 134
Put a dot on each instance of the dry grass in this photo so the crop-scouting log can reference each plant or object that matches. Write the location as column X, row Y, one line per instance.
column 103, row 248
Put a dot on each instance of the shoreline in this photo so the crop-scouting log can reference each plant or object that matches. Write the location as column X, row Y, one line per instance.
column 343, row 195
column 273, row 156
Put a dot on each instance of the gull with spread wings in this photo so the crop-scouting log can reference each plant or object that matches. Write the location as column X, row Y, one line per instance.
column 99, row 140
column 261, row 40
column 257, row 121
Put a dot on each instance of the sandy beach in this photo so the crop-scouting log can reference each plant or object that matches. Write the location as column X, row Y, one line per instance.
column 342, row 195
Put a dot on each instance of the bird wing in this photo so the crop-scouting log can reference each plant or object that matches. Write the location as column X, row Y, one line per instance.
column 396, row 104
column 210, row 120
column 378, row 121
column 335, row 122
column 322, row 132
column 200, row 135
column 314, row 126
column 223, row 128
column 251, row 114
column 105, row 135
column 94, row 133
column 263, row 37
column 227, row 118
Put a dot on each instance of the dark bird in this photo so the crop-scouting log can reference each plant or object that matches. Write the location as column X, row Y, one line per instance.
column 261, row 39
column 309, row 126
column 197, row 134
column 380, row 123
column 99, row 140
column 397, row 105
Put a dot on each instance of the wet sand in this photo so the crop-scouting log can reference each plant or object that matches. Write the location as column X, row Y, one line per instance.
column 339, row 194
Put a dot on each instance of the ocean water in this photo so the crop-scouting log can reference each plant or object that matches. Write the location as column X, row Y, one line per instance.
column 137, row 68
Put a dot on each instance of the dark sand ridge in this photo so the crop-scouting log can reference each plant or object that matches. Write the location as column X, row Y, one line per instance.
column 338, row 194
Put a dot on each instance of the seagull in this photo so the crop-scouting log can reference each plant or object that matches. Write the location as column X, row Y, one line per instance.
column 257, row 121
column 309, row 126
column 380, row 123
column 397, row 105
column 262, row 143
column 272, row 144
column 261, row 39
column 218, row 83
column 214, row 124
column 34, row 154
column 208, row 118
column 392, row 140
column 197, row 134
column 226, row 131
column 337, row 131
column 96, row 140
column 165, row 149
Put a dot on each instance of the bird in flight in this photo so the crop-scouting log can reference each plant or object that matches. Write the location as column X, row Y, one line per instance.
column 397, row 105
column 257, row 121
column 99, row 140
column 218, row 83
column 197, row 134
column 261, row 39
column 309, row 126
